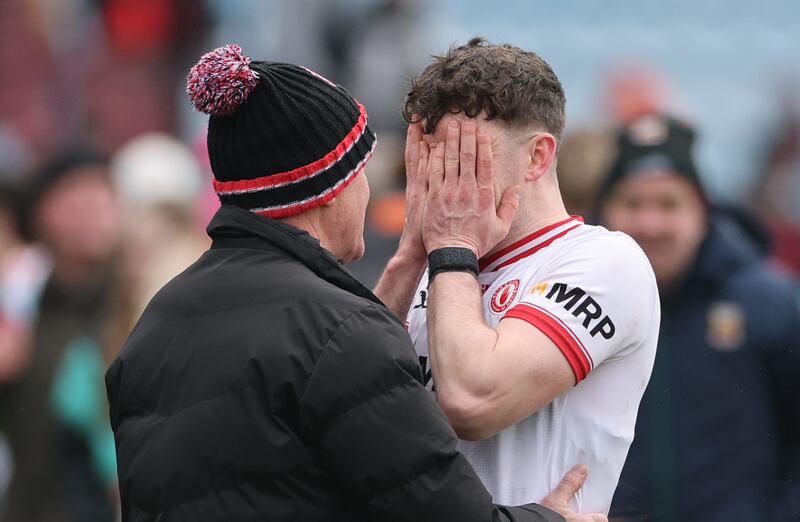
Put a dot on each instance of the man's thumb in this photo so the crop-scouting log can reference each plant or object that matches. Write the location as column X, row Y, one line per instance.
column 569, row 485
column 508, row 206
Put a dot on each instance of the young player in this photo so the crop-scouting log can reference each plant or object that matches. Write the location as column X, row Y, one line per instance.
column 542, row 353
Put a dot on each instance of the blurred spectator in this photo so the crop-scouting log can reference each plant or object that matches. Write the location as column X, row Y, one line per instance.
column 107, row 70
column 146, row 87
column 159, row 183
column 630, row 91
column 23, row 269
column 777, row 193
column 147, row 46
column 56, row 412
column 14, row 156
column 155, row 168
column 154, row 28
column 28, row 108
column 718, row 435
column 583, row 160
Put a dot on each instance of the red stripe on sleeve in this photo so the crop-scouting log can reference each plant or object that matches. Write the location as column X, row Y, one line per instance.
column 558, row 333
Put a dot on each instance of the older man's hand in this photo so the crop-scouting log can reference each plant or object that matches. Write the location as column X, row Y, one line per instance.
column 558, row 499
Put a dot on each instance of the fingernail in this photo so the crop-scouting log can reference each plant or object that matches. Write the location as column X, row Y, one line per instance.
column 453, row 124
column 470, row 124
column 482, row 131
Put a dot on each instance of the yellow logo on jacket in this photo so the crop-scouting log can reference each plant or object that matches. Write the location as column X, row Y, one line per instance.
column 725, row 326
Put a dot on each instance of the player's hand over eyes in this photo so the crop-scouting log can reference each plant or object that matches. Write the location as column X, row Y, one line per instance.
column 558, row 499
column 416, row 155
column 460, row 209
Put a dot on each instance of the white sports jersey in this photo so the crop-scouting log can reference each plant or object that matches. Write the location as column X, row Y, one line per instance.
column 593, row 293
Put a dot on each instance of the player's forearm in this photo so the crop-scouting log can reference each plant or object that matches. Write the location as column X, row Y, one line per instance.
column 461, row 347
column 398, row 283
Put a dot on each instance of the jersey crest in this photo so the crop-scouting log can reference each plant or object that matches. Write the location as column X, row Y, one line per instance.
column 504, row 296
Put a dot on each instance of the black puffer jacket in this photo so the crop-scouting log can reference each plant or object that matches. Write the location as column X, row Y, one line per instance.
column 265, row 383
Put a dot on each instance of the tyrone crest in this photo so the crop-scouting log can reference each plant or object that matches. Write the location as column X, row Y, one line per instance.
column 504, row 296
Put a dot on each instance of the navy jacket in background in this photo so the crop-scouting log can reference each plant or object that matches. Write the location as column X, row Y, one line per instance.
column 718, row 433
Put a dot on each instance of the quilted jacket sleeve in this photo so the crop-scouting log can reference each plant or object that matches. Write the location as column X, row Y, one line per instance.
column 382, row 436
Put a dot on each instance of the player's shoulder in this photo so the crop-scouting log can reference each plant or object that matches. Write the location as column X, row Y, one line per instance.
column 611, row 265
column 604, row 249
column 595, row 235
column 615, row 270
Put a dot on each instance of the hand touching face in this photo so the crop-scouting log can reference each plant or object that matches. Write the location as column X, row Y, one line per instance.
column 460, row 206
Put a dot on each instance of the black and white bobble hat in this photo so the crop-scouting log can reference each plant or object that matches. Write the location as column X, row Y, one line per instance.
column 281, row 138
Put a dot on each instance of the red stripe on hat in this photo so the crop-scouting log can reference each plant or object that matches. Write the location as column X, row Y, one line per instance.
column 488, row 260
column 300, row 173
column 569, row 345
column 293, row 209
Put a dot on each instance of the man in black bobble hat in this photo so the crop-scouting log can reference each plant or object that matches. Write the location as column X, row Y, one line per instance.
column 718, row 435
column 653, row 143
column 265, row 382
column 656, row 150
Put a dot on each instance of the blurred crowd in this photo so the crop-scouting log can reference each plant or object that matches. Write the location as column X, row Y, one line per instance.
column 105, row 191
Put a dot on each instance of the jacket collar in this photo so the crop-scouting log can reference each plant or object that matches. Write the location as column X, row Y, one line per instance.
column 232, row 226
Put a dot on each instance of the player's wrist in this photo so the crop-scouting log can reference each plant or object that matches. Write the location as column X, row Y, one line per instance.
column 407, row 258
column 452, row 259
column 453, row 242
column 411, row 250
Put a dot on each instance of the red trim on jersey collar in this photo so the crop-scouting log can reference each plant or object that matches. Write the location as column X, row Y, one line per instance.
column 486, row 262
column 535, row 249
column 554, row 328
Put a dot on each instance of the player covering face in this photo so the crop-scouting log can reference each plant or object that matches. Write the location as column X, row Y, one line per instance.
column 540, row 352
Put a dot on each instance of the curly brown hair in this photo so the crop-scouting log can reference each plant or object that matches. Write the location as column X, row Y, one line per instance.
column 512, row 85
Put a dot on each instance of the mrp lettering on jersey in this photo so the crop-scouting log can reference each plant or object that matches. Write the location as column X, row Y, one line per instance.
column 577, row 301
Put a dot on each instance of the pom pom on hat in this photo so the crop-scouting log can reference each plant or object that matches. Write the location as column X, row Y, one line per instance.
column 221, row 81
column 281, row 138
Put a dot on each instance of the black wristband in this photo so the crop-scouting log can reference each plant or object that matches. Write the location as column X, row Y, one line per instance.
column 452, row 259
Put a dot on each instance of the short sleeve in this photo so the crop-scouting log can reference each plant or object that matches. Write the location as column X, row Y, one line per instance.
column 595, row 301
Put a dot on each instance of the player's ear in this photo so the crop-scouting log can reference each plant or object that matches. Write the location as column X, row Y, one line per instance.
column 541, row 153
